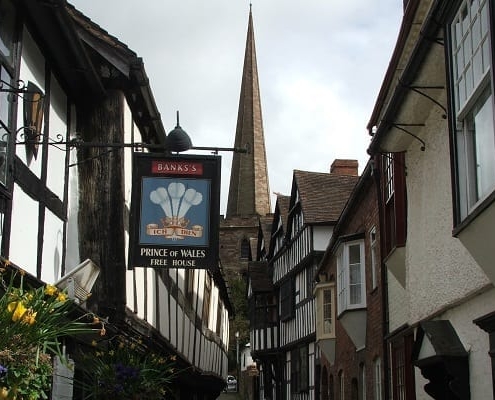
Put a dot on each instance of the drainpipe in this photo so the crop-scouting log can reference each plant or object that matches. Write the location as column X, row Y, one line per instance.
column 383, row 272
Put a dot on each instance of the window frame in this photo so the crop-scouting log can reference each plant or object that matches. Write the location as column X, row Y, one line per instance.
column 7, row 117
column 299, row 369
column 287, row 300
column 402, row 374
column 373, row 257
column 343, row 277
column 468, row 200
column 325, row 310
column 394, row 200
column 377, row 378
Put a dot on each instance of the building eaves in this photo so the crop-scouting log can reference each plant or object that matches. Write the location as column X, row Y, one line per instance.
column 54, row 32
column 419, row 30
column 138, row 91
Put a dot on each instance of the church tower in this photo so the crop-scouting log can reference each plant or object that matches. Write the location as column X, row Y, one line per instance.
column 249, row 192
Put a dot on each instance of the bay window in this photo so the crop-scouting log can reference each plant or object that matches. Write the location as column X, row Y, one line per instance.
column 325, row 310
column 473, row 106
column 351, row 286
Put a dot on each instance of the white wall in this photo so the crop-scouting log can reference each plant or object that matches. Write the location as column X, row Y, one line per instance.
column 321, row 237
column 439, row 269
column 442, row 279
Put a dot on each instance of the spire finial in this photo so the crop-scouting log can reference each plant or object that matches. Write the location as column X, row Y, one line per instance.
column 177, row 119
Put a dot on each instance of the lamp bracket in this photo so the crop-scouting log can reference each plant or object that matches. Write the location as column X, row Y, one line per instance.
column 20, row 90
column 59, row 141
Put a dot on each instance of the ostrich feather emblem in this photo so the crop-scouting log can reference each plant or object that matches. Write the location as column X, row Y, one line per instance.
column 175, row 201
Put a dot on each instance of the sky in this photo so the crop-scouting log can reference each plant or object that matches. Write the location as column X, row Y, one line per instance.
column 321, row 64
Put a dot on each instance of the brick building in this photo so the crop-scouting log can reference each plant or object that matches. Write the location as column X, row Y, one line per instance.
column 349, row 300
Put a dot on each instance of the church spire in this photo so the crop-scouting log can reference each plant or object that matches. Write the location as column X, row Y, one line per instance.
column 249, row 191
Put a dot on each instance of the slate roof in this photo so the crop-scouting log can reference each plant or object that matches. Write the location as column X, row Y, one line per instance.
column 323, row 195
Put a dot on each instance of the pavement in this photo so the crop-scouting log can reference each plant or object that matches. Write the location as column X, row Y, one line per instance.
column 229, row 396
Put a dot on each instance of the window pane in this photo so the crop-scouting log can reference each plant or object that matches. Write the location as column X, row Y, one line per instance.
column 6, row 29
column 485, row 147
column 354, row 254
column 355, row 292
column 327, row 311
column 5, row 107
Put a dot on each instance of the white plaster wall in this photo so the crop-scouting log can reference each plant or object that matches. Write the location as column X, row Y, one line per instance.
column 398, row 305
column 32, row 69
column 321, row 237
column 52, row 248
column 23, row 238
column 58, row 126
column 439, row 270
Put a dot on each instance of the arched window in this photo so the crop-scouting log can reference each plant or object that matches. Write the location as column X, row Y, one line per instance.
column 331, row 389
column 245, row 249
column 362, row 381
column 377, row 378
column 341, row 385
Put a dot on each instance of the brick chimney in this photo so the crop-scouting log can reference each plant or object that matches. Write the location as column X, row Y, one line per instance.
column 344, row 167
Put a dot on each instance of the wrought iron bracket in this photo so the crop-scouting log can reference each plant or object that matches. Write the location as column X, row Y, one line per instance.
column 402, row 127
column 417, row 89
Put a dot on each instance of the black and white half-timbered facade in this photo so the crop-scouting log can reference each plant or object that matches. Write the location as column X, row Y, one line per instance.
column 75, row 103
column 284, row 345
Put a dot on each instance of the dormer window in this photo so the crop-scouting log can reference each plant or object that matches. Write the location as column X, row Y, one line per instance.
column 297, row 222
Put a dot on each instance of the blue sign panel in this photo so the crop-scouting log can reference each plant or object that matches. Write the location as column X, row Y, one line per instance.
column 175, row 211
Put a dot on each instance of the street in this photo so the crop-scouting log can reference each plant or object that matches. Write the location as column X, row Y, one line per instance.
column 229, row 396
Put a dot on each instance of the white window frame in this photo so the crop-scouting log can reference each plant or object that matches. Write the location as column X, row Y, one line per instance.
column 377, row 378
column 473, row 104
column 373, row 249
column 344, row 300
column 325, row 312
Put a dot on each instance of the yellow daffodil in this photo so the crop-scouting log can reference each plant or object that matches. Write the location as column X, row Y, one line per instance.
column 11, row 306
column 62, row 297
column 18, row 312
column 94, row 343
column 4, row 393
column 30, row 317
column 50, row 290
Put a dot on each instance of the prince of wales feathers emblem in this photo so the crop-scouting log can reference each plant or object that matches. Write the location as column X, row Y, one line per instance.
column 175, row 202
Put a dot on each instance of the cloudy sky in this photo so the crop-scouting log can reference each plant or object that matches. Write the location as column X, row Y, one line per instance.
column 320, row 64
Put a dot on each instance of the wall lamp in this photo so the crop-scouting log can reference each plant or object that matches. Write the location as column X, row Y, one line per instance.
column 178, row 140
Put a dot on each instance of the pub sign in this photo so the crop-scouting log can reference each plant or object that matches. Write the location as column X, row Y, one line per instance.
column 175, row 211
